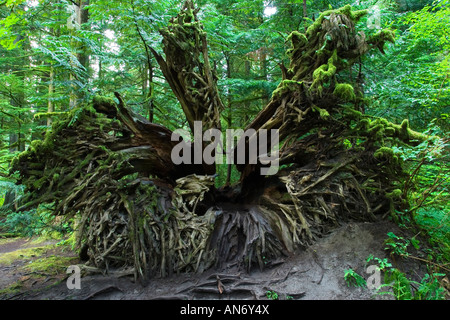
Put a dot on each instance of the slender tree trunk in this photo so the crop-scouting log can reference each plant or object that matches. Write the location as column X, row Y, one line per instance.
column 149, row 98
column 50, row 105
column 80, row 51
column 248, row 67
column 100, row 66
column 147, row 88
column 82, row 16
column 264, row 65
column 229, row 115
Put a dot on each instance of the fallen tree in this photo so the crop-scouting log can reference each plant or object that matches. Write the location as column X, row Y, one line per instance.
column 112, row 169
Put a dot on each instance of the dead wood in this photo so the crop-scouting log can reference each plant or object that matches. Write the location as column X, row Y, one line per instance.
column 111, row 169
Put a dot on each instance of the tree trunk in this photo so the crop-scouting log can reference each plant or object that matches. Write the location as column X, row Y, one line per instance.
column 81, row 17
column 229, row 115
column 50, row 106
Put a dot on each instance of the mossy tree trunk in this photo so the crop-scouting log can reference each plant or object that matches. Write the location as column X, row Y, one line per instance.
column 113, row 170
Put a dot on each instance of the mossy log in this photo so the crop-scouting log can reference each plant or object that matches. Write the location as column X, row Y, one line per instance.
column 112, row 169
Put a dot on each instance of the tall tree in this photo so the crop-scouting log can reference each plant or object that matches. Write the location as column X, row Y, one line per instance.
column 79, row 18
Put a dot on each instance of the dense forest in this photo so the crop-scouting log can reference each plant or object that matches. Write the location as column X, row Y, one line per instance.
column 91, row 91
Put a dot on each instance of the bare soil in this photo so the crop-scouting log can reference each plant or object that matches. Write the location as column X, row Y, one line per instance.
column 313, row 273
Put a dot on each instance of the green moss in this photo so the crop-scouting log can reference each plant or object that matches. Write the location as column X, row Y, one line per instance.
column 382, row 121
column 9, row 257
column 344, row 92
column 380, row 128
column 387, row 154
column 317, row 25
column 385, row 35
column 35, row 145
column 379, row 136
column 405, row 124
column 373, row 129
column 364, row 123
column 286, row 86
column 404, row 128
column 395, row 194
column 347, row 10
column 405, row 133
column 103, row 101
column 358, row 14
column 49, row 114
column 11, row 290
column 389, row 131
column 324, row 73
column 356, row 115
column 297, row 39
column 52, row 265
column 324, row 114
column 39, row 183
column 380, row 38
column 4, row 239
column 292, row 85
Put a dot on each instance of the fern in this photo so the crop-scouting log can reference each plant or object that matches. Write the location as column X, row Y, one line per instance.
column 405, row 289
column 430, row 288
column 354, row 279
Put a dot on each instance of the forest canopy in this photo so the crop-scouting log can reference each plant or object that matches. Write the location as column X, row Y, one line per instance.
column 91, row 90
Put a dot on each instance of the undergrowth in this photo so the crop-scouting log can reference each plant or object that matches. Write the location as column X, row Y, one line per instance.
column 427, row 190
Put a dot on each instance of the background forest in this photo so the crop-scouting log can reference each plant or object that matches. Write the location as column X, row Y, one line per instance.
column 57, row 54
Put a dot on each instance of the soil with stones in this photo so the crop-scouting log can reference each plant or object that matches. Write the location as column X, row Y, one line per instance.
column 316, row 272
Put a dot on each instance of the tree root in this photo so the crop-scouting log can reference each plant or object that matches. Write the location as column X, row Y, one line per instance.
column 113, row 172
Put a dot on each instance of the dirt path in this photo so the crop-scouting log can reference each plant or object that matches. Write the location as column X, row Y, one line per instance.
column 314, row 273
column 16, row 254
column 12, row 245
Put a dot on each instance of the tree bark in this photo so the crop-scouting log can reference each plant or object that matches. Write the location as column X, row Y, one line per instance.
column 81, row 17
column 50, row 106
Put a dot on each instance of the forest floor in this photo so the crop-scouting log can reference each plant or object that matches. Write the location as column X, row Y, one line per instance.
column 313, row 273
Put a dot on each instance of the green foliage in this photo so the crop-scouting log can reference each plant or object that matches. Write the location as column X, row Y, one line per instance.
column 427, row 187
column 354, row 279
column 40, row 221
column 383, row 264
column 403, row 288
column 429, row 288
column 271, row 295
column 397, row 245
column 436, row 222
column 411, row 80
column 222, row 172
